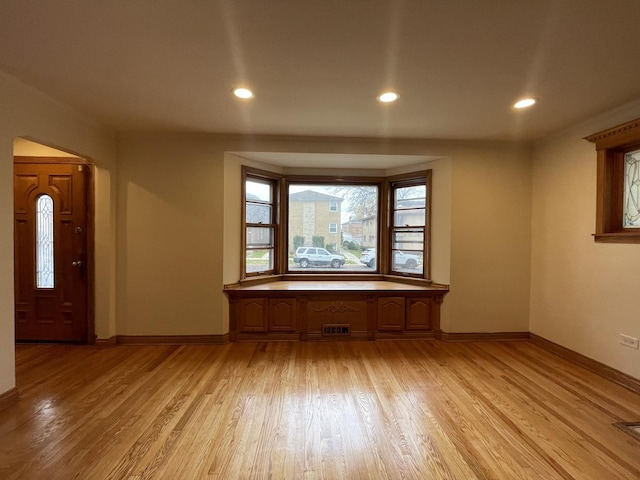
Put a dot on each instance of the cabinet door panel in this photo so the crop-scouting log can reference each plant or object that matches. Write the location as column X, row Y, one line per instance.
column 419, row 313
column 252, row 315
column 283, row 315
column 391, row 313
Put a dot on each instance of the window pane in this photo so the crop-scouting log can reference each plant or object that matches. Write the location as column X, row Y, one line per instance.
column 412, row 239
column 631, row 212
column 335, row 218
column 259, row 237
column 410, row 197
column 408, row 261
column 44, row 242
column 258, row 213
column 259, row 260
column 259, row 191
column 410, row 218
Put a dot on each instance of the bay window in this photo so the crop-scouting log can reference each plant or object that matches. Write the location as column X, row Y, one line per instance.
column 319, row 225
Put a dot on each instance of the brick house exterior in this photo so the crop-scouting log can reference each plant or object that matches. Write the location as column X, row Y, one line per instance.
column 370, row 231
column 354, row 228
column 312, row 214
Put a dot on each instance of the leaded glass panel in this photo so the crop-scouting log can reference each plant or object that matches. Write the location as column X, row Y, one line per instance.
column 631, row 203
column 45, row 275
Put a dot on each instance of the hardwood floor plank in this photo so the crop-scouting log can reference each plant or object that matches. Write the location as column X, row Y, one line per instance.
column 326, row 410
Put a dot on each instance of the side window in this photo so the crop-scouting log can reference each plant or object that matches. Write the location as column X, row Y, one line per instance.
column 333, row 228
column 260, row 224
column 631, row 197
column 618, row 183
column 44, row 242
column 409, row 226
column 333, row 206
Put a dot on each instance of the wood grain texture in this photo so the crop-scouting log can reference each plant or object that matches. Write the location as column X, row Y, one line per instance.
column 8, row 398
column 412, row 409
column 168, row 339
column 600, row 368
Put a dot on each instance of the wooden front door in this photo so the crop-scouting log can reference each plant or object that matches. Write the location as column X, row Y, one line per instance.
column 50, row 235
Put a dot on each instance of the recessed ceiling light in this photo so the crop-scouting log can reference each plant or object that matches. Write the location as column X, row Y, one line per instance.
column 243, row 93
column 525, row 102
column 387, row 97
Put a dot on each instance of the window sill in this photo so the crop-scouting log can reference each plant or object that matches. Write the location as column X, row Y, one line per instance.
column 304, row 277
column 617, row 237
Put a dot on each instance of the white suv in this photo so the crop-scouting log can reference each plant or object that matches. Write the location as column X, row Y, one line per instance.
column 400, row 259
column 315, row 256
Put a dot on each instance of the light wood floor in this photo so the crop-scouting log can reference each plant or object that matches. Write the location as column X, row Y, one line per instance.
column 344, row 410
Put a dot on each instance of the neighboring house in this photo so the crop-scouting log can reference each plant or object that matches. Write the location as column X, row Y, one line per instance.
column 370, row 231
column 313, row 214
column 353, row 227
column 414, row 215
column 364, row 230
column 257, row 213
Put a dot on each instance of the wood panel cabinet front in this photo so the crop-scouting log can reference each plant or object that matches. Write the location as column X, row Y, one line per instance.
column 252, row 314
column 283, row 315
column 419, row 313
column 391, row 313
column 343, row 310
column 289, row 311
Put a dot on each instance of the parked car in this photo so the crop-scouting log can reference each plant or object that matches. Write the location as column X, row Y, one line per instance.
column 316, row 256
column 400, row 259
column 368, row 257
column 406, row 260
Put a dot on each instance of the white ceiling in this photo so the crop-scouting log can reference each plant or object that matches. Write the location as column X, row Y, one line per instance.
column 317, row 66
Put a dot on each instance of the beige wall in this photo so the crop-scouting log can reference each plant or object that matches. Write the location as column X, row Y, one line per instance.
column 170, row 255
column 490, row 240
column 481, row 235
column 29, row 114
column 583, row 294
column 179, row 228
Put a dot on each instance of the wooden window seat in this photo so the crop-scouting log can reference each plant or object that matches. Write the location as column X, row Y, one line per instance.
column 334, row 309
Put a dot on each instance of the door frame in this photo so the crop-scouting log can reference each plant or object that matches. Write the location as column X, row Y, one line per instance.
column 90, row 254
